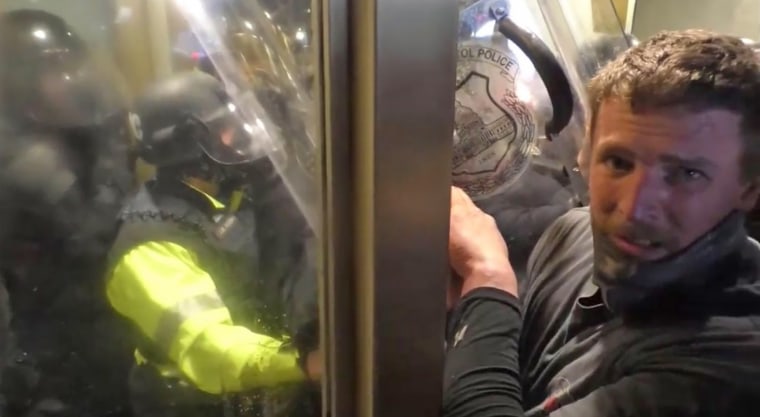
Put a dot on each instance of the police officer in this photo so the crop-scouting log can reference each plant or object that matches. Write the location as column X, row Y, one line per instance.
column 63, row 171
column 187, row 266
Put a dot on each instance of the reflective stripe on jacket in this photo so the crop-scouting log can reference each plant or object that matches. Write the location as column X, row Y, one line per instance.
column 160, row 288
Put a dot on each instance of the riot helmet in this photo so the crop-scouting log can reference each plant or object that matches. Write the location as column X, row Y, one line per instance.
column 188, row 124
column 49, row 77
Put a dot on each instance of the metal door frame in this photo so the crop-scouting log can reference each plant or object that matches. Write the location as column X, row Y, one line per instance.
column 388, row 79
column 337, row 304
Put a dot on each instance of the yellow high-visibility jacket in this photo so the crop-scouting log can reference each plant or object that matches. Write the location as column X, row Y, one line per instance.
column 164, row 289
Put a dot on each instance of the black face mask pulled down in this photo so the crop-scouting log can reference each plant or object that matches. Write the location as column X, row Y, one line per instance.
column 625, row 283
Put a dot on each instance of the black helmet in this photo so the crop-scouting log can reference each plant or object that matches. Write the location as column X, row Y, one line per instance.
column 188, row 118
column 47, row 77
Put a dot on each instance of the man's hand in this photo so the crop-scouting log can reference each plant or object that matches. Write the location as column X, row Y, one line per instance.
column 477, row 252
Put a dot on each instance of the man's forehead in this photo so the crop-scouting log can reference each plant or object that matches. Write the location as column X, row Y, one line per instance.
column 617, row 115
column 676, row 134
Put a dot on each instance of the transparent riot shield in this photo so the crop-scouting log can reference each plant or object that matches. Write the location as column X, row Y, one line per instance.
column 520, row 114
column 159, row 208
column 586, row 40
column 495, row 80
column 258, row 59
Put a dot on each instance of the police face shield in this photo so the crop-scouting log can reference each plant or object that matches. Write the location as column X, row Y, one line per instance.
column 230, row 139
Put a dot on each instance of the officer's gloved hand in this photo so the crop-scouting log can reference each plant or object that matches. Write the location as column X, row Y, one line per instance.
column 306, row 342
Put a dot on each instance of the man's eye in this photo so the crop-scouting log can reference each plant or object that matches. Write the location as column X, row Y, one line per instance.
column 684, row 174
column 618, row 164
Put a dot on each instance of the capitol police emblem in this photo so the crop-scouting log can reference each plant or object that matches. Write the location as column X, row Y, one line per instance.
column 494, row 129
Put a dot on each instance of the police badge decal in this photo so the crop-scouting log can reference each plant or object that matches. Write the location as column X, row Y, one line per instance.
column 494, row 129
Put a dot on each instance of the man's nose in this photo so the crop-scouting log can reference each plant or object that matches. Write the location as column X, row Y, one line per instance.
column 642, row 196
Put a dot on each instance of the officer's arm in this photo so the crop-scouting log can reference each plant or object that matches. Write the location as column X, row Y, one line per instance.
column 160, row 288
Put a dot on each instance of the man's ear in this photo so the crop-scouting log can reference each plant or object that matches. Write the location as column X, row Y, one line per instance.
column 748, row 199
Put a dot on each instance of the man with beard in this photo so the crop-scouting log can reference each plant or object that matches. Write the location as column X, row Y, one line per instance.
column 647, row 302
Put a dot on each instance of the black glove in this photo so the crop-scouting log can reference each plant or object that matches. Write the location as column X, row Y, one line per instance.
column 306, row 340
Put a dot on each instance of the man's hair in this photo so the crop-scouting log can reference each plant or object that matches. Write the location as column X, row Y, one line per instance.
column 694, row 70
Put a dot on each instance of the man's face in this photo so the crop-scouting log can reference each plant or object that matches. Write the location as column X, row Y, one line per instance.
column 661, row 179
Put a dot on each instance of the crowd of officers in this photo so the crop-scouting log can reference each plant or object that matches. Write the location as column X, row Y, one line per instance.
column 192, row 293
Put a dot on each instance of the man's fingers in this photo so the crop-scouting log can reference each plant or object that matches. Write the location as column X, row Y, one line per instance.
column 459, row 197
